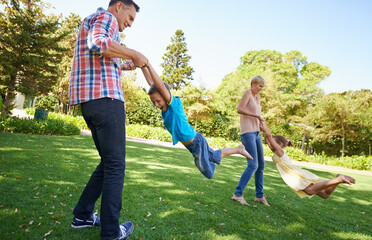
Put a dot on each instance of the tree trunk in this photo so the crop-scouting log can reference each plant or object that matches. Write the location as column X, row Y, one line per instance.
column 303, row 142
column 9, row 96
column 343, row 140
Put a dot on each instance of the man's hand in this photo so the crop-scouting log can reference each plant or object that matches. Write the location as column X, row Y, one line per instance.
column 128, row 65
column 140, row 60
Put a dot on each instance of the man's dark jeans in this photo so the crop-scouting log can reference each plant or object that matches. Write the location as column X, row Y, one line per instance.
column 106, row 119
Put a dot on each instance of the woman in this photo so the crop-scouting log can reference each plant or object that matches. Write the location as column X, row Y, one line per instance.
column 250, row 116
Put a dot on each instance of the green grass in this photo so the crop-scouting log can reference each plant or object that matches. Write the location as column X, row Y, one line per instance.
column 42, row 177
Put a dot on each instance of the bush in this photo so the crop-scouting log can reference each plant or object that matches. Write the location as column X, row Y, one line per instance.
column 147, row 132
column 49, row 102
column 76, row 121
column 49, row 126
column 354, row 162
column 144, row 113
column 1, row 103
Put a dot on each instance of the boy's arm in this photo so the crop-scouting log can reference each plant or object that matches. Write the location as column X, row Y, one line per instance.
column 273, row 145
column 147, row 75
column 159, row 84
column 243, row 102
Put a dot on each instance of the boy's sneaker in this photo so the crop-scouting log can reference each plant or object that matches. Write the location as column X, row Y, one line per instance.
column 125, row 230
column 90, row 222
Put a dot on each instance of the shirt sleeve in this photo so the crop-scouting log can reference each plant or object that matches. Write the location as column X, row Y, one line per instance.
column 174, row 103
column 101, row 32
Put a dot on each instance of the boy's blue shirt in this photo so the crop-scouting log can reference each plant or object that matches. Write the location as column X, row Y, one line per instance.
column 175, row 121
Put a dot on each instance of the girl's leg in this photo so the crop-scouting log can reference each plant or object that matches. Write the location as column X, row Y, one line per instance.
column 236, row 150
column 329, row 186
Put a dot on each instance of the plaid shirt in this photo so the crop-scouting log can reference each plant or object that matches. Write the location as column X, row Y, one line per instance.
column 93, row 76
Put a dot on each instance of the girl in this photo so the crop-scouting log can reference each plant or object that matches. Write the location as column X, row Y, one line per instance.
column 302, row 182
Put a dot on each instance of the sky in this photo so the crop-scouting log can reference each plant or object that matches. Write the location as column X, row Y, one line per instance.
column 333, row 33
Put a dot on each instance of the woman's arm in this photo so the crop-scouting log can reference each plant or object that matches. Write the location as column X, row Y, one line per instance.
column 273, row 145
column 243, row 102
column 159, row 84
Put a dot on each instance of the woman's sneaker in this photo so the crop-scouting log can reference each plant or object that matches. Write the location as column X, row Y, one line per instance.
column 125, row 230
column 90, row 222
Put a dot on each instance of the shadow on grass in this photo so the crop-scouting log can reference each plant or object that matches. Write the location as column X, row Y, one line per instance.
column 42, row 177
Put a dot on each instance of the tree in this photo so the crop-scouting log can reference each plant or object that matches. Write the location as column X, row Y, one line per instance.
column 176, row 69
column 342, row 119
column 197, row 103
column 291, row 86
column 71, row 25
column 30, row 49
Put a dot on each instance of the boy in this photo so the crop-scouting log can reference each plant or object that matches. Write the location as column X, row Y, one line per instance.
column 175, row 121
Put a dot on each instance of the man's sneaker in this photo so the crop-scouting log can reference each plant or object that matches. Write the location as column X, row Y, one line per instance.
column 125, row 230
column 90, row 222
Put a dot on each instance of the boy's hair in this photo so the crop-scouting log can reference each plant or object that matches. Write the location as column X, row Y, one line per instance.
column 153, row 89
column 257, row 79
column 283, row 140
column 126, row 2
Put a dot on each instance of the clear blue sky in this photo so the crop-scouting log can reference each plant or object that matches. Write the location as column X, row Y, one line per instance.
column 334, row 33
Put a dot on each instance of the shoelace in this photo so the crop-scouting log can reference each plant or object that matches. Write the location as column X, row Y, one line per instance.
column 94, row 218
column 123, row 231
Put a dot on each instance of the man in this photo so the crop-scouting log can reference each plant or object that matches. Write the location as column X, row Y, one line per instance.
column 96, row 84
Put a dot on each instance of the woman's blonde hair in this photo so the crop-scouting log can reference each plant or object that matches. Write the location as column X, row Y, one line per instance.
column 257, row 79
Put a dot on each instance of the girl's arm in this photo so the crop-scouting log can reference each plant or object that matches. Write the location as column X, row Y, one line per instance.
column 243, row 102
column 147, row 75
column 159, row 84
column 273, row 145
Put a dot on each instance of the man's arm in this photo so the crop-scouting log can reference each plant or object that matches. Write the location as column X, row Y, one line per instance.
column 115, row 50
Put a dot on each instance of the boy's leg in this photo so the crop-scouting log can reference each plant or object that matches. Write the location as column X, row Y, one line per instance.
column 236, row 150
column 200, row 150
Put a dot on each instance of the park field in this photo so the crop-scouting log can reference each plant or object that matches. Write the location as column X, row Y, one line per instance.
column 165, row 196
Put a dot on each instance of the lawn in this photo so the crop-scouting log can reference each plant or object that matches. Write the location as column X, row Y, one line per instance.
column 42, row 177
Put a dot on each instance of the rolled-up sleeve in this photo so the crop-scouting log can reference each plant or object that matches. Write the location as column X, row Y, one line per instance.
column 101, row 33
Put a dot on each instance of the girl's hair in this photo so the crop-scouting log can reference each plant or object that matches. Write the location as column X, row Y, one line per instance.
column 126, row 2
column 153, row 89
column 257, row 79
column 286, row 142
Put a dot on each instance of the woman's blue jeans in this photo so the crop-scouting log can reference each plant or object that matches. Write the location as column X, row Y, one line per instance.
column 106, row 119
column 253, row 144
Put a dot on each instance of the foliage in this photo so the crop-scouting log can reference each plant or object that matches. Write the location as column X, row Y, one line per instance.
column 147, row 132
column 176, row 69
column 1, row 102
column 138, row 106
column 165, row 195
column 342, row 123
column 291, row 86
column 48, row 102
column 29, row 66
column 197, row 103
column 71, row 25
column 46, row 127
column 77, row 121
